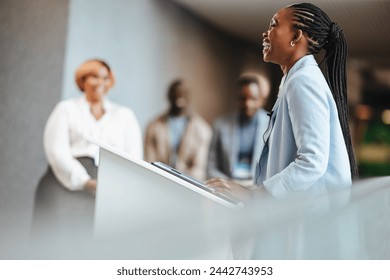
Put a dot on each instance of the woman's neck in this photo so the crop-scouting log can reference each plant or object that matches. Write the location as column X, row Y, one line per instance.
column 97, row 109
column 290, row 63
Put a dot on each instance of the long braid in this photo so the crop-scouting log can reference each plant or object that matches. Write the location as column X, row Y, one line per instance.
column 324, row 34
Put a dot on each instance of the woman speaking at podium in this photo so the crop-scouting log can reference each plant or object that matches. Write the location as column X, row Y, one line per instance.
column 308, row 143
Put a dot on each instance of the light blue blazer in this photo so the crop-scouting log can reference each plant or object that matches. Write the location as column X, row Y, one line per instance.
column 305, row 148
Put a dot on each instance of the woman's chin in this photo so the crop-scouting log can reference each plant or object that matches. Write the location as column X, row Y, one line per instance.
column 265, row 55
column 96, row 96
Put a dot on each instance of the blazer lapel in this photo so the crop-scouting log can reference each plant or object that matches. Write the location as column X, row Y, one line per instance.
column 262, row 124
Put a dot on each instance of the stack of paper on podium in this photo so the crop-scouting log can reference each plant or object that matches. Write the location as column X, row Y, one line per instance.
column 155, row 214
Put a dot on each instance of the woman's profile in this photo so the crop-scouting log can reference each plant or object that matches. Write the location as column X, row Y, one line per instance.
column 308, row 143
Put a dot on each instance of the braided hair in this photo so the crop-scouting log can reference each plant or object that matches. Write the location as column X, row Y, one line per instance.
column 322, row 33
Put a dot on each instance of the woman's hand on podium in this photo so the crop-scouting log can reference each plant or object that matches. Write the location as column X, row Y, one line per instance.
column 230, row 188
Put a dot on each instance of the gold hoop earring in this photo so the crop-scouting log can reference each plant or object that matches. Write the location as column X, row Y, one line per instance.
column 292, row 44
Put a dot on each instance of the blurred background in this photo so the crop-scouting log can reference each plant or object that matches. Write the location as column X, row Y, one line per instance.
column 148, row 43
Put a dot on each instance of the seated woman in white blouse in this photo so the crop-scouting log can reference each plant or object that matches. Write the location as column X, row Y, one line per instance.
column 63, row 201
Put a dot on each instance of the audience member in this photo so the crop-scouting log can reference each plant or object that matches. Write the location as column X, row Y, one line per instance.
column 179, row 137
column 238, row 138
column 64, row 190
column 89, row 115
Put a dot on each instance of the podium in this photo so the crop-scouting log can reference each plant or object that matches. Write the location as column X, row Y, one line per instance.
column 143, row 212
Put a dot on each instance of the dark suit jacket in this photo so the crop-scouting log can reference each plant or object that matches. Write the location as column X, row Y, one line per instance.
column 225, row 144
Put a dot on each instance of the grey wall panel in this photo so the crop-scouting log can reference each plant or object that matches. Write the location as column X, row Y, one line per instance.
column 32, row 46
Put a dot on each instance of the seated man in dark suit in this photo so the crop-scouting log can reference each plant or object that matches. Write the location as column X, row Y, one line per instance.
column 238, row 138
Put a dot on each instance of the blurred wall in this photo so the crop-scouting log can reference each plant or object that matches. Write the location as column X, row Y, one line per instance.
column 32, row 48
column 147, row 43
